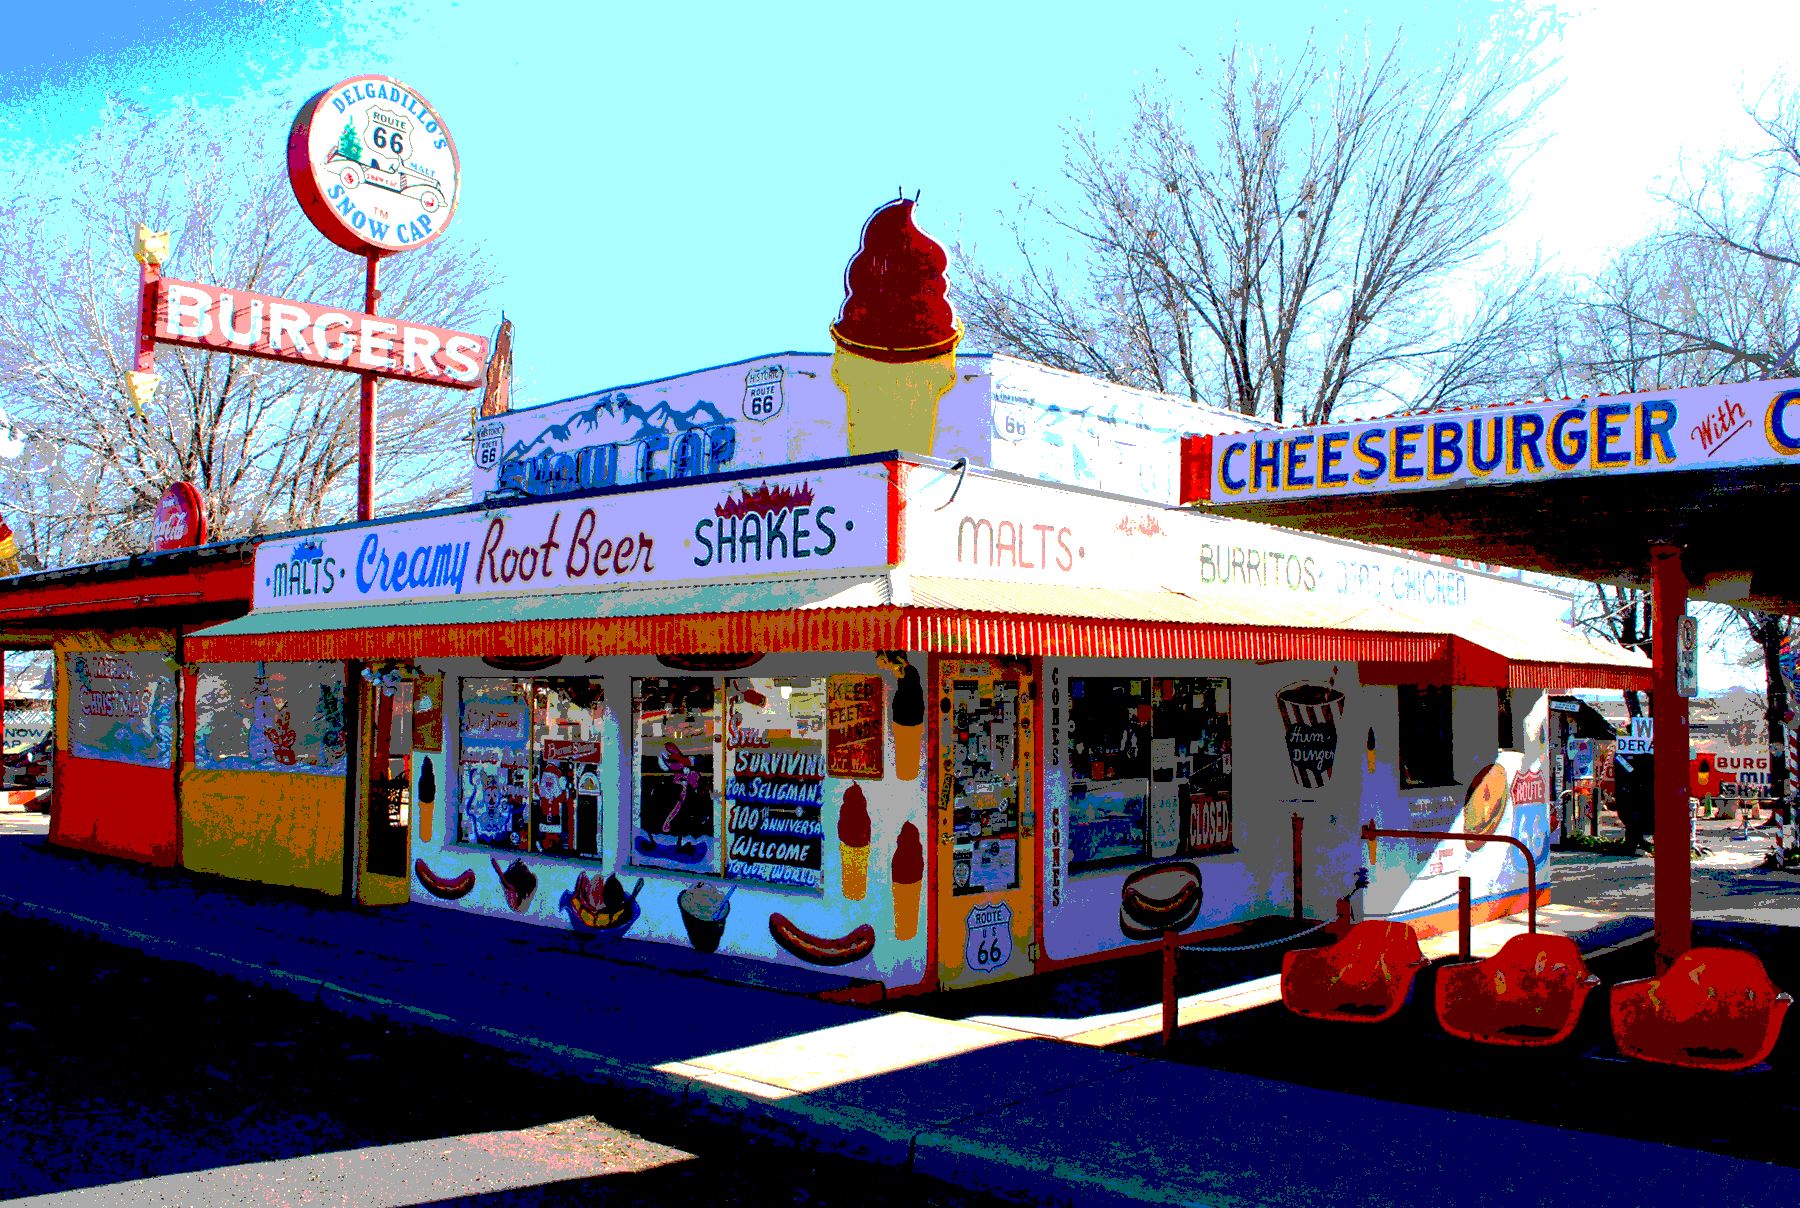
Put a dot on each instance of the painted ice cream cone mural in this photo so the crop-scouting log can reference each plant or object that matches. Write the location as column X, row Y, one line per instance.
column 427, row 799
column 909, row 878
column 1369, row 751
column 908, row 723
column 853, row 842
column 1310, row 714
column 895, row 335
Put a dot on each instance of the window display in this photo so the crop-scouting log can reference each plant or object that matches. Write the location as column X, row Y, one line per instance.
column 743, row 800
column 984, row 766
column 775, row 785
column 531, row 759
column 270, row 717
column 124, row 708
column 1149, row 769
column 673, row 811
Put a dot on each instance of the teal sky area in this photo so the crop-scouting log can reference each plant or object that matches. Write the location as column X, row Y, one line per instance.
column 664, row 188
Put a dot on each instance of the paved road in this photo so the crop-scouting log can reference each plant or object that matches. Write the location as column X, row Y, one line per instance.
column 1729, row 885
column 129, row 1080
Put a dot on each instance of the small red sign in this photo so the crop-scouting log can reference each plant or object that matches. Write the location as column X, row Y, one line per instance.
column 180, row 520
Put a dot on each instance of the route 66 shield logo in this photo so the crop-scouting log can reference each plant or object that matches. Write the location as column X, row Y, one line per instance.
column 990, row 942
column 763, row 397
column 488, row 438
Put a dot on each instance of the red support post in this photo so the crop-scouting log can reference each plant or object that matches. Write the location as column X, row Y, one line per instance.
column 1465, row 918
column 365, row 429
column 1168, row 988
column 1673, row 861
column 144, row 359
column 1299, row 824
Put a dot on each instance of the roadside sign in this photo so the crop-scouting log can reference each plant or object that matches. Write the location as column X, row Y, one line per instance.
column 1565, row 706
column 1641, row 739
column 1687, row 657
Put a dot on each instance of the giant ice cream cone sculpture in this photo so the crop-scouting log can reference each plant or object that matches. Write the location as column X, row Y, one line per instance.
column 896, row 335
column 853, row 842
column 909, row 878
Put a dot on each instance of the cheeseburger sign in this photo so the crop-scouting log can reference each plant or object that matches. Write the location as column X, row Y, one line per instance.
column 1709, row 427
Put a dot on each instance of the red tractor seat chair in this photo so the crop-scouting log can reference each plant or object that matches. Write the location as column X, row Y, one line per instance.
column 1363, row 978
column 1715, row 1009
column 1529, row 993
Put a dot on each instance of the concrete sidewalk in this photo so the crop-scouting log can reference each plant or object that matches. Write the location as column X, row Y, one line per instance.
column 975, row 1103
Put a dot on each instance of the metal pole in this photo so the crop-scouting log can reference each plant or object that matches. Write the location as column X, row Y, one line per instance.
column 365, row 430
column 1673, row 858
column 1168, row 988
column 1465, row 917
column 1371, row 832
column 1299, row 906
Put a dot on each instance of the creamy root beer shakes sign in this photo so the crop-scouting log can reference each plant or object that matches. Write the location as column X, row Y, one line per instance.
column 1757, row 423
column 373, row 166
column 795, row 523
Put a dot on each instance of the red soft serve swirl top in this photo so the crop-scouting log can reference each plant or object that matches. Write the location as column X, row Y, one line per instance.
column 896, row 297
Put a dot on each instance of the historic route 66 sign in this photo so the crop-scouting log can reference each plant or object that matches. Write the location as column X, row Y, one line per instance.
column 488, row 439
column 763, row 398
column 990, row 944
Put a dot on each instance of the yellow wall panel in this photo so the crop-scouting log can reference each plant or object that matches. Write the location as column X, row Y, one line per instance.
column 276, row 828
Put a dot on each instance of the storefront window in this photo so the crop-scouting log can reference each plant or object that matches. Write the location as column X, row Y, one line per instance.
column 1426, row 757
column 531, row 760
column 270, row 717
column 1149, row 769
column 775, row 780
column 674, row 815
column 743, row 801
column 124, row 706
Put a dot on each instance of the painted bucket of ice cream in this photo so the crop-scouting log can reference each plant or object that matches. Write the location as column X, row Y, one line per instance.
column 1310, row 714
column 704, row 909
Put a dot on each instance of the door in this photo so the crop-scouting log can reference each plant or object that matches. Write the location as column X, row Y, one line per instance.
column 985, row 818
column 384, row 796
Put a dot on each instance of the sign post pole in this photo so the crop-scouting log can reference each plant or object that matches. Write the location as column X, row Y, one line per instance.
column 1674, row 858
column 365, row 430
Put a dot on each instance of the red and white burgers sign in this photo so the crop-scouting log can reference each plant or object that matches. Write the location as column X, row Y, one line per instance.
column 373, row 166
column 180, row 520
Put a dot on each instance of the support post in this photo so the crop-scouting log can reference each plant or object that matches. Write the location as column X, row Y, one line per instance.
column 1299, row 897
column 1668, row 761
column 1465, row 918
column 365, row 428
column 1168, row 989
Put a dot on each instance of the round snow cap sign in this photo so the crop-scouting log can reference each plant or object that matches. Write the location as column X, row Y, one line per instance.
column 180, row 519
column 373, row 166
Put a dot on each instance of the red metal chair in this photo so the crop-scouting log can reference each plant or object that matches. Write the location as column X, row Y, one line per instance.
column 1363, row 978
column 1715, row 1009
column 1529, row 993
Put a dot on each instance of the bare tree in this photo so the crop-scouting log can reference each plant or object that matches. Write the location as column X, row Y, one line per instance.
column 1768, row 633
column 271, row 446
column 1293, row 252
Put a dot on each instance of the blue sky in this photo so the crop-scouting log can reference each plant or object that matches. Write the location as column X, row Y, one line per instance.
column 669, row 187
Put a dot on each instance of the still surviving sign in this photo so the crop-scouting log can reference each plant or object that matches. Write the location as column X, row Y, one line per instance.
column 853, row 735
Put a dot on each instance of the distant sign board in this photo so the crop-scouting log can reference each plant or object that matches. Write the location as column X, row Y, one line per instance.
column 1641, row 740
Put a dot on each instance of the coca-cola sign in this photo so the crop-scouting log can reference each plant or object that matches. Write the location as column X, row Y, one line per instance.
column 180, row 520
